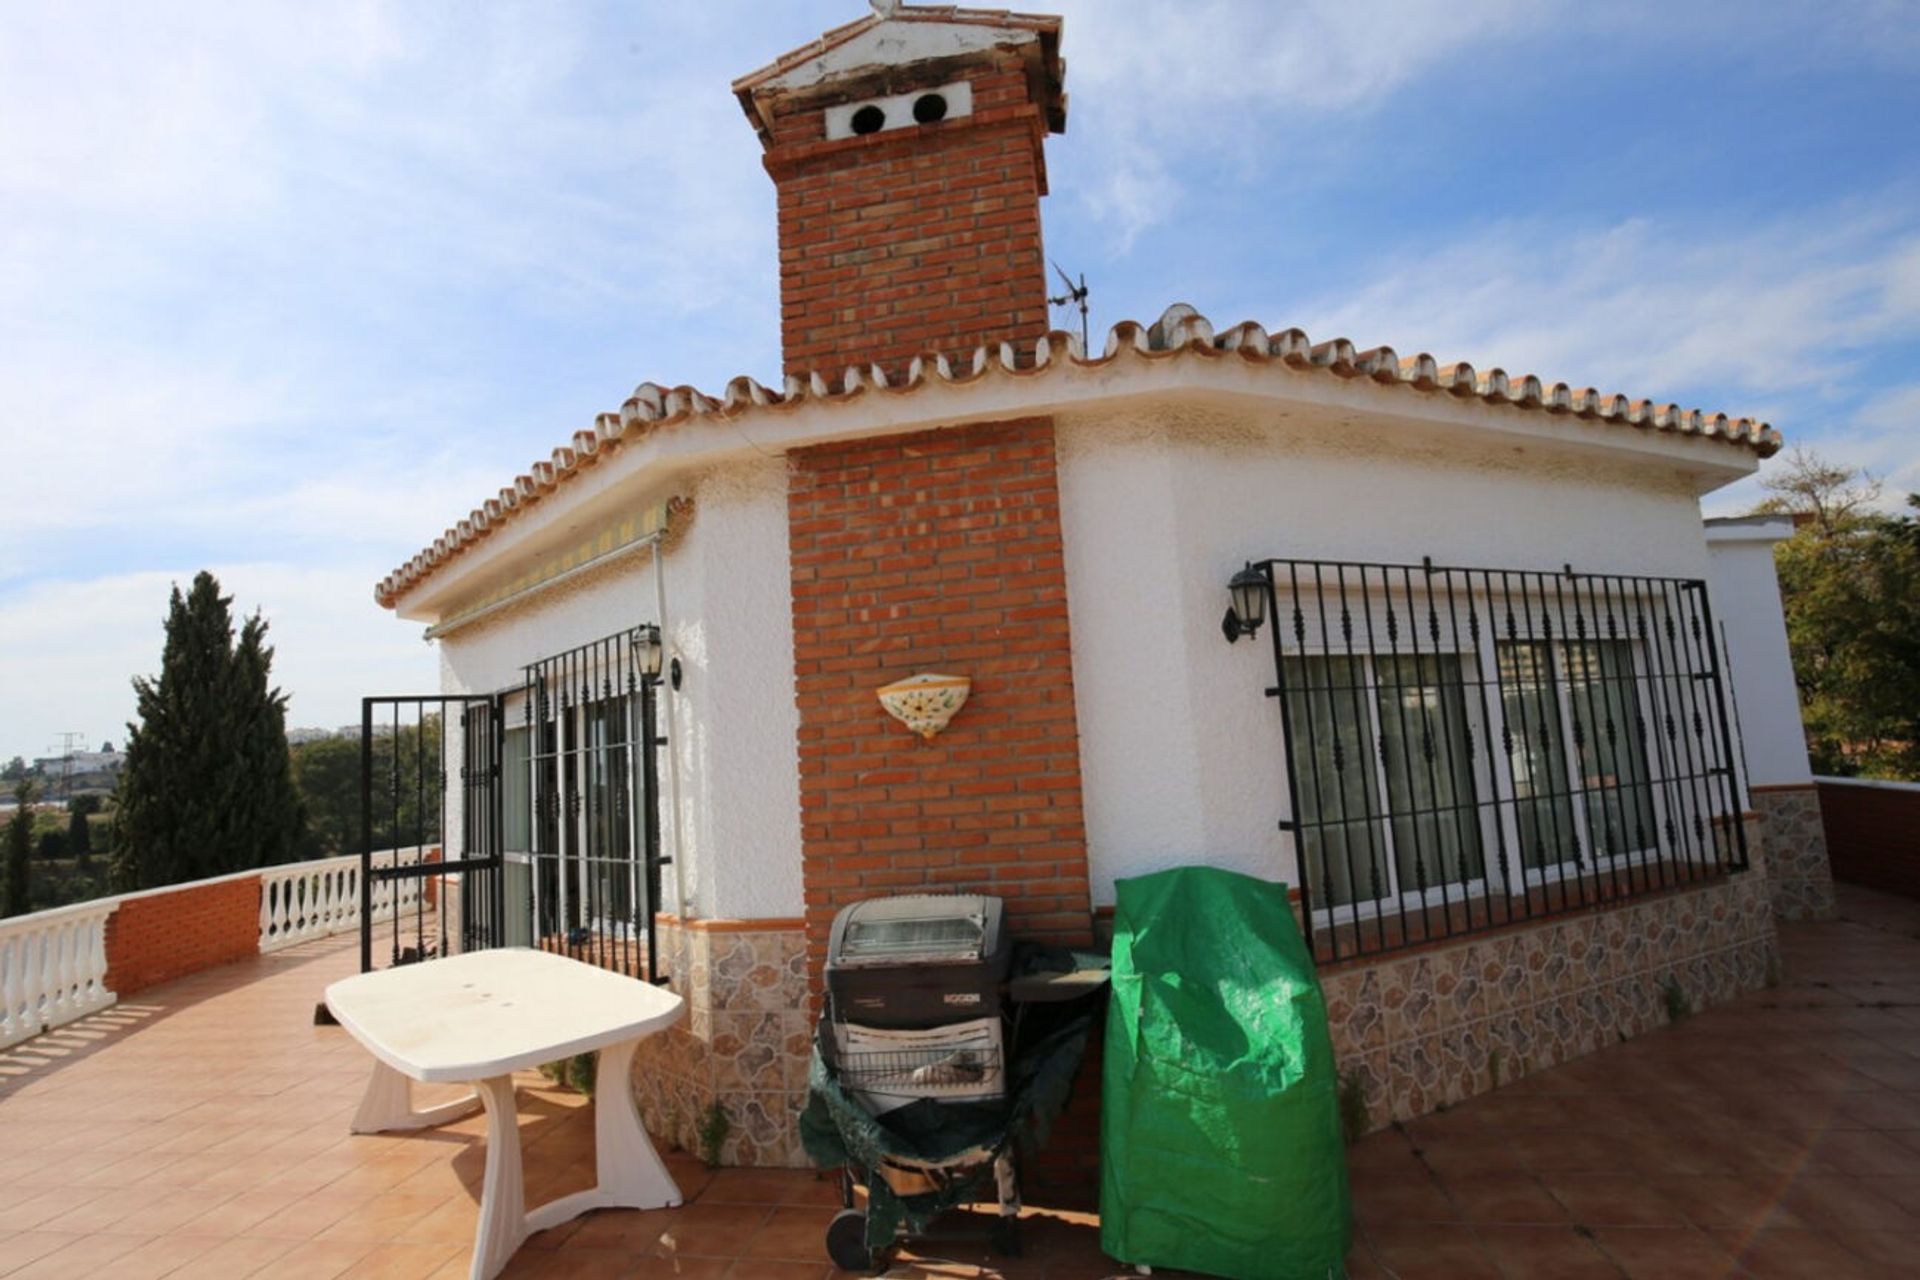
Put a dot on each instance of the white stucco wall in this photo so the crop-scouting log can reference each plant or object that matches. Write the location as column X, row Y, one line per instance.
column 1182, row 754
column 734, row 725
column 1746, row 601
column 731, row 624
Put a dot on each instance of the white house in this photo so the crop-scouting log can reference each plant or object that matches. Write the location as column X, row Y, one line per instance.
column 1483, row 723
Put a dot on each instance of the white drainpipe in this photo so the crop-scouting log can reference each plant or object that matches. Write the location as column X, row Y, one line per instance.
column 673, row 735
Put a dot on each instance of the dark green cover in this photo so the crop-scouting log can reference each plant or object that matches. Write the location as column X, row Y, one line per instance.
column 1220, row 1142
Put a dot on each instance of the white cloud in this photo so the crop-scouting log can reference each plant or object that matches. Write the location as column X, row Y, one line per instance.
column 83, row 641
column 1656, row 309
column 1791, row 321
column 1169, row 83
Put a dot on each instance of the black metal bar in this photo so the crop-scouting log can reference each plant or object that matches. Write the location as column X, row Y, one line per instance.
column 366, row 835
column 650, row 821
column 1736, row 854
column 1294, row 815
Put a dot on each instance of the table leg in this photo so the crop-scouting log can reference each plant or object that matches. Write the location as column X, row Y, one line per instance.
column 631, row 1173
column 388, row 1104
column 503, row 1223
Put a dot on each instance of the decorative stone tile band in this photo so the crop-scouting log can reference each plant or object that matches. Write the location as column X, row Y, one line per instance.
column 741, row 1052
column 1434, row 1028
column 1796, row 844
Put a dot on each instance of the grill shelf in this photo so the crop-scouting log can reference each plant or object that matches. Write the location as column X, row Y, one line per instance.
column 911, row 1072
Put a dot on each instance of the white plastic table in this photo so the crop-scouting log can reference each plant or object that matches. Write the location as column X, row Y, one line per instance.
column 475, row 1019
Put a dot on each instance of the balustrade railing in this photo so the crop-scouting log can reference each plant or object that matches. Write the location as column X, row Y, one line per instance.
column 53, row 964
column 306, row 900
column 53, row 969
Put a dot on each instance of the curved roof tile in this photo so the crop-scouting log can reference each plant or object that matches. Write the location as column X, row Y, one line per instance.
column 1180, row 332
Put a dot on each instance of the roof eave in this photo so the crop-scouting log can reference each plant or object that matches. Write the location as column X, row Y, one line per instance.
column 654, row 459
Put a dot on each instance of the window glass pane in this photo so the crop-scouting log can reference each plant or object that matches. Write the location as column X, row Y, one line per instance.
column 1334, row 771
column 1612, row 752
column 1535, row 743
column 1423, row 738
column 516, row 791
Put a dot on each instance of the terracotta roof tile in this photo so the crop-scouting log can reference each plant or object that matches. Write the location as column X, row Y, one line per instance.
column 1181, row 333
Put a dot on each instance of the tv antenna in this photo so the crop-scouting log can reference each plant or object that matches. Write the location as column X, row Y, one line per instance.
column 68, row 741
column 1076, row 295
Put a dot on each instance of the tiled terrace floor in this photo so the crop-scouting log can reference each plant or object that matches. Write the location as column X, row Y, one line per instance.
column 199, row 1130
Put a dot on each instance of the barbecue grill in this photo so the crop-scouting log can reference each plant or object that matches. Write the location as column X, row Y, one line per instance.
column 913, row 1065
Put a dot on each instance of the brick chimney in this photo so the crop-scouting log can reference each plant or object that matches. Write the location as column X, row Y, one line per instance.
column 907, row 149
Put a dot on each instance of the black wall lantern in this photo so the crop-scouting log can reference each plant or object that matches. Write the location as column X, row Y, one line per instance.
column 1249, row 608
column 648, row 649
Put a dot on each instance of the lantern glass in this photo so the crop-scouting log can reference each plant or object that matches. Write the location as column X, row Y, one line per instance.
column 1249, row 591
column 648, row 647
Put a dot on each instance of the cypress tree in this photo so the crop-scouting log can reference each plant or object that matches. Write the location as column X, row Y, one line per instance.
column 79, row 833
column 272, row 813
column 14, row 901
column 206, row 789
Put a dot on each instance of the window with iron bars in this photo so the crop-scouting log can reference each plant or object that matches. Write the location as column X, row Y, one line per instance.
column 584, row 805
column 1471, row 748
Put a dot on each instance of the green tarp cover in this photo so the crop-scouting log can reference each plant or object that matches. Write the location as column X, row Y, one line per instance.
column 1220, row 1141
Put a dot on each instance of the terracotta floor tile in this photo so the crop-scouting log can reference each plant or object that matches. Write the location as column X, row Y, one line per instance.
column 1434, row 1252
column 1834, row 1203
column 1723, row 1200
column 319, row 1259
column 402, row 1261
column 1612, row 1200
column 1397, row 1201
column 1546, row 1253
column 167, row 1255
column 87, row 1256
column 1757, row 1120
column 714, row 1231
column 238, row 1257
column 1513, row 1199
column 1865, row 1152
column 750, row 1186
column 1571, row 1151
column 1665, row 1253
column 791, row 1235
column 1797, row 1255
column 1472, row 1153
column 1886, row 1248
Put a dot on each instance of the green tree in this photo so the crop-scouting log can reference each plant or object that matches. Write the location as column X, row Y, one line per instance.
column 207, row 787
column 406, row 785
column 15, row 770
column 51, row 847
column 15, row 900
column 327, row 771
column 1850, row 586
column 79, row 831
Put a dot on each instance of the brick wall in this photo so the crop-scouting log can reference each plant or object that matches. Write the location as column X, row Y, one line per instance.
column 937, row 552
column 155, row 939
column 1873, row 835
column 919, row 239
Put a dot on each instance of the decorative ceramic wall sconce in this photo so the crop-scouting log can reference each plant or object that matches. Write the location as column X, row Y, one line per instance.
column 924, row 703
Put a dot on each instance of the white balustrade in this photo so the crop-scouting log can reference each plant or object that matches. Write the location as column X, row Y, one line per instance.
column 53, row 968
column 304, row 900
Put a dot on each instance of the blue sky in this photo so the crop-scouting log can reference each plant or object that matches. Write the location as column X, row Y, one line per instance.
column 285, row 289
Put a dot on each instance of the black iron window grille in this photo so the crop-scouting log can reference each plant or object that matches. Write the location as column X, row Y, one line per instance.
column 589, row 808
column 1471, row 748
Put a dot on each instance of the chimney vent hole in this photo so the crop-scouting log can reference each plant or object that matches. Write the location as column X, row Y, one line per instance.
column 929, row 108
column 871, row 119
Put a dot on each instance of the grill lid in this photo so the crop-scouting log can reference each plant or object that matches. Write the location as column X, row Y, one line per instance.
column 915, row 929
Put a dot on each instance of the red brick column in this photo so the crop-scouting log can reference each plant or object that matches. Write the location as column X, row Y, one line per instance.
column 155, row 938
column 937, row 552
